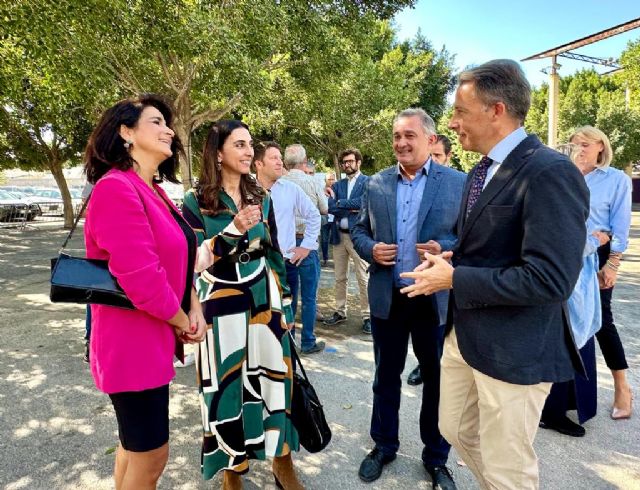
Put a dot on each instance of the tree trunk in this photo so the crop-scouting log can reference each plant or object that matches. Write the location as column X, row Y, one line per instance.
column 69, row 213
column 186, row 168
column 336, row 167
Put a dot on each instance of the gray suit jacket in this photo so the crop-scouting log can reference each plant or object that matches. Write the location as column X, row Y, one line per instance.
column 516, row 261
column 377, row 223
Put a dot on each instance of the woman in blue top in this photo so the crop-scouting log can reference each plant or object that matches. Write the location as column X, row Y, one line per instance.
column 610, row 214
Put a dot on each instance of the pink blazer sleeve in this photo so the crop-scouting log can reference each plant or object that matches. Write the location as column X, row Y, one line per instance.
column 120, row 226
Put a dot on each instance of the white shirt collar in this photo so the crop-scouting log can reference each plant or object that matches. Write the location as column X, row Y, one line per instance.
column 501, row 151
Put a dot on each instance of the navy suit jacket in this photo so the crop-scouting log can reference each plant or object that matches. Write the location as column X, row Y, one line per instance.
column 517, row 259
column 341, row 207
column 377, row 223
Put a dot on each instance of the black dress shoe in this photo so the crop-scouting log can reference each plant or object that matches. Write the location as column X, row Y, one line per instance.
column 366, row 326
column 371, row 466
column 441, row 477
column 415, row 377
column 564, row 425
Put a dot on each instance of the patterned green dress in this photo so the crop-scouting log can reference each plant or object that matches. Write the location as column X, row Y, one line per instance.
column 244, row 364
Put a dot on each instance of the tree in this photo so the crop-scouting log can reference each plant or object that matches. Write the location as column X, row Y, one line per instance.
column 210, row 58
column 587, row 98
column 353, row 106
column 43, row 124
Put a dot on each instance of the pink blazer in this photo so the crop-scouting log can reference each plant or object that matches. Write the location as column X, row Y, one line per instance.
column 127, row 224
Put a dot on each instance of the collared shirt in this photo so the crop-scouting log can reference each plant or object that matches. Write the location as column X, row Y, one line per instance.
column 351, row 182
column 408, row 200
column 312, row 190
column 289, row 199
column 500, row 152
column 610, row 205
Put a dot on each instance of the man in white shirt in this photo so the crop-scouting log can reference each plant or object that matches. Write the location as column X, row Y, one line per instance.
column 290, row 200
column 345, row 206
column 305, row 276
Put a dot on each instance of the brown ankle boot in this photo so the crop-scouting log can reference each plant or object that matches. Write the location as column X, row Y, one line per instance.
column 284, row 473
column 231, row 481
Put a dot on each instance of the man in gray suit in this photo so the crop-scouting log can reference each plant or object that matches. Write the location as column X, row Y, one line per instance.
column 521, row 233
column 407, row 209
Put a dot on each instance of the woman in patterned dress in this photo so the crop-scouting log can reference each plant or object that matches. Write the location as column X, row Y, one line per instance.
column 244, row 364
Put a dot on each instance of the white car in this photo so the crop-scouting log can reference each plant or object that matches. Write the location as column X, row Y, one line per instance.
column 50, row 200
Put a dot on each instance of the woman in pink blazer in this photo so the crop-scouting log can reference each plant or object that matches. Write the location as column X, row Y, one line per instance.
column 151, row 251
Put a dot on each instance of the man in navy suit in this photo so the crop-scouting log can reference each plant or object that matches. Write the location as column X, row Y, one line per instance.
column 407, row 209
column 344, row 205
column 521, row 233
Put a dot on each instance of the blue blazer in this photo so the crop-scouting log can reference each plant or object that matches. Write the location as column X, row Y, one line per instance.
column 517, row 260
column 342, row 207
column 377, row 223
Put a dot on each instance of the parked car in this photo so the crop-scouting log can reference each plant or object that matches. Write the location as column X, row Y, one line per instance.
column 23, row 189
column 49, row 204
column 34, row 207
column 50, row 200
column 14, row 209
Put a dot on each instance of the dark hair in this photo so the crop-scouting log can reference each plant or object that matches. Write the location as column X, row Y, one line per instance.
column 501, row 81
column 210, row 181
column 351, row 151
column 260, row 149
column 105, row 149
column 446, row 143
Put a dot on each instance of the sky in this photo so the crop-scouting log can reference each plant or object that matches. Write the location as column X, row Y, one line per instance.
column 478, row 31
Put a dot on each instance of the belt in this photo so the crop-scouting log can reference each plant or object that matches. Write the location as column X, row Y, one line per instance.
column 243, row 257
column 343, row 231
column 299, row 235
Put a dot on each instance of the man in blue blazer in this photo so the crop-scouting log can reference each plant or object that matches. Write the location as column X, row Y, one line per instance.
column 406, row 210
column 344, row 205
column 521, row 233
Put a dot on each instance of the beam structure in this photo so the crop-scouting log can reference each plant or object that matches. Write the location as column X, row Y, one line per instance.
column 578, row 43
column 565, row 52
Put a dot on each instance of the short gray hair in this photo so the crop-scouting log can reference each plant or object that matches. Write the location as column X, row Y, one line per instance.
column 294, row 155
column 425, row 119
column 501, row 81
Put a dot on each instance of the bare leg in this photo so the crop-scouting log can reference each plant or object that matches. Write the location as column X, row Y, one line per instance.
column 622, row 397
column 144, row 468
column 120, row 467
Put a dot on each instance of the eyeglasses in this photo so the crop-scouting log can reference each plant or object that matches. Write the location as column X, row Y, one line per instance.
column 345, row 162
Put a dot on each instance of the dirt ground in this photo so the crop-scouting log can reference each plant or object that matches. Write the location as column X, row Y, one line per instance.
column 58, row 432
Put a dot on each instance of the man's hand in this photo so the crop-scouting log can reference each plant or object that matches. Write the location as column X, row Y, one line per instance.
column 433, row 275
column 385, row 253
column 299, row 254
column 328, row 191
column 431, row 247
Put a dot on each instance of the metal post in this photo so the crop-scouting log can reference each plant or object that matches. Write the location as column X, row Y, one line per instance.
column 554, row 93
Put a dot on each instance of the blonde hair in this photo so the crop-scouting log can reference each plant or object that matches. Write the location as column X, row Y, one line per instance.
column 594, row 134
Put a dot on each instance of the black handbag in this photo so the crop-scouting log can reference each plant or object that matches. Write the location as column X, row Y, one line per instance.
column 84, row 281
column 307, row 414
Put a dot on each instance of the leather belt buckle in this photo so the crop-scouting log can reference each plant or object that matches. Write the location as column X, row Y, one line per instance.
column 244, row 258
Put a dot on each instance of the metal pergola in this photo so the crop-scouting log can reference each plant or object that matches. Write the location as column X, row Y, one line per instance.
column 566, row 51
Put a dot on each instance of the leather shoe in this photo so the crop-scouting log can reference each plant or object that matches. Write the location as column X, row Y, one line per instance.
column 371, row 466
column 366, row 326
column 415, row 377
column 563, row 425
column 441, row 477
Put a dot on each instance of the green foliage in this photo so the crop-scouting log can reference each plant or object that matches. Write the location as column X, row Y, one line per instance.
column 325, row 73
column 587, row 98
column 461, row 159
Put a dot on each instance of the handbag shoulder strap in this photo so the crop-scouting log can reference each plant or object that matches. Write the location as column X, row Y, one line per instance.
column 75, row 223
column 295, row 357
